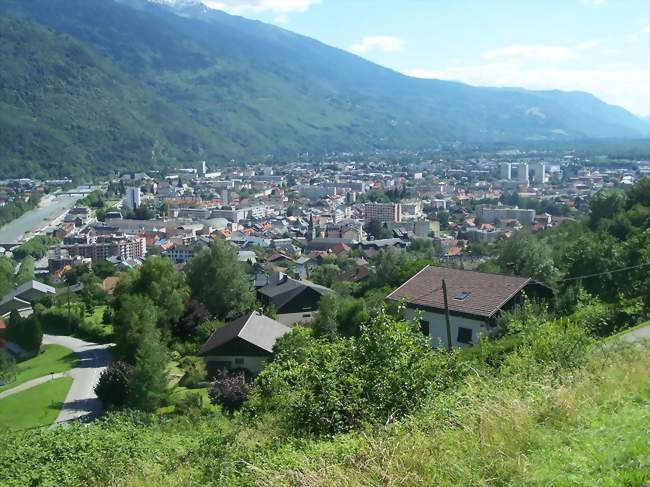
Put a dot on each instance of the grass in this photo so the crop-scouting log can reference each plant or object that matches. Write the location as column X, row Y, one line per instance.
column 35, row 407
column 53, row 358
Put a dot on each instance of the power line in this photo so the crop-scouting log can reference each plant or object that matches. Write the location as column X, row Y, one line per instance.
column 606, row 272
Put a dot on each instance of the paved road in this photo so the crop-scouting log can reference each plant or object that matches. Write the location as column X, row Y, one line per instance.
column 638, row 334
column 31, row 383
column 81, row 401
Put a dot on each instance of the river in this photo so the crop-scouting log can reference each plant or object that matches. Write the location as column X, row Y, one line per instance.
column 34, row 220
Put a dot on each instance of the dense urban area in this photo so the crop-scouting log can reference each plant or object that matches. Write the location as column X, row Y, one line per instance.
column 249, row 305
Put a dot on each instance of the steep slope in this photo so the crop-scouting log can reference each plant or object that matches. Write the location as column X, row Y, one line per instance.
column 65, row 111
column 240, row 88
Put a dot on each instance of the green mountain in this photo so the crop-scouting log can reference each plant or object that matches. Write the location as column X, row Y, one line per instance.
column 93, row 85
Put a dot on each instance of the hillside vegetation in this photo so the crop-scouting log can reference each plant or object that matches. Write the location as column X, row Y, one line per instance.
column 138, row 84
column 579, row 427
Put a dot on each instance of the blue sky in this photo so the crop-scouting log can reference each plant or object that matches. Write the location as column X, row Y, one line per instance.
column 599, row 46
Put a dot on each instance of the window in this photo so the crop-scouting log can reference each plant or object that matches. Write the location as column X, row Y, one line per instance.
column 464, row 335
column 424, row 327
column 462, row 296
column 239, row 361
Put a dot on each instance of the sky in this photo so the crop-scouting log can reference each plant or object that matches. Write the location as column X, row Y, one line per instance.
column 598, row 46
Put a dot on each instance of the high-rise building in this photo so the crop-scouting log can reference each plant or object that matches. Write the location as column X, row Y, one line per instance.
column 505, row 171
column 132, row 198
column 522, row 172
column 202, row 168
column 538, row 170
column 383, row 212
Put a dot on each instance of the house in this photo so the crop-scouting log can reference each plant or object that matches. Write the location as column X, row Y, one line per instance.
column 358, row 274
column 21, row 298
column 295, row 301
column 474, row 299
column 245, row 343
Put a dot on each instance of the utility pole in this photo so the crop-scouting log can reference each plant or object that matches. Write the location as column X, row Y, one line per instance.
column 444, row 293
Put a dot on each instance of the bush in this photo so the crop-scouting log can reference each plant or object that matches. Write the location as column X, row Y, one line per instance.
column 113, row 385
column 7, row 367
column 26, row 332
column 229, row 390
column 195, row 372
column 326, row 386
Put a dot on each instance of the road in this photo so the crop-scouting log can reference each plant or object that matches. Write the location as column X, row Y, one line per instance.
column 637, row 335
column 31, row 383
column 81, row 402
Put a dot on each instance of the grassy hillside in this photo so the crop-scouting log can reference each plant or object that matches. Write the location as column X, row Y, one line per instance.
column 580, row 427
column 148, row 86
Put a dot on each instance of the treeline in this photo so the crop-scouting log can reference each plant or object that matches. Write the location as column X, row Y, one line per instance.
column 14, row 209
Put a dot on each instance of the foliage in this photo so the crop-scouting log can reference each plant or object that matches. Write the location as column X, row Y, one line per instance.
column 325, row 274
column 523, row 255
column 195, row 372
column 7, row 367
column 326, row 387
column 229, row 390
column 378, row 230
column 158, row 282
column 26, row 271
column 218, row 280
column 36, row 247
column 26, row 332
column 147, row 388
column 195, row 315
column 135, row 315
column 112, row 388
column 6, row 275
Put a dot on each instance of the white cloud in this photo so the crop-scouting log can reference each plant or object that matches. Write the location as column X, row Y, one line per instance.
column 624, row 85
column 531, row 51
column 378, row 43
column 646, row 29
column 256, row 6
column 588, row 45
column 592, row 3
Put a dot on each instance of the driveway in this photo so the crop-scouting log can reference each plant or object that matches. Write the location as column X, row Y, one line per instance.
column 81, row 401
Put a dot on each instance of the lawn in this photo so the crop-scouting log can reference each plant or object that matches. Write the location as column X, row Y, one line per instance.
column 53, row 358
column 38, row 406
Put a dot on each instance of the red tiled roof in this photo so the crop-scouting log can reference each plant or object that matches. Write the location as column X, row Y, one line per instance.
column 487, row 292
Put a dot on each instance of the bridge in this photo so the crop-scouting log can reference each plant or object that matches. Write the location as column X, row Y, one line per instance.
column 10, row 246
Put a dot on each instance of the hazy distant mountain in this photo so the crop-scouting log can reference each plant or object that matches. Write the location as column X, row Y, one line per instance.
column 135, row 83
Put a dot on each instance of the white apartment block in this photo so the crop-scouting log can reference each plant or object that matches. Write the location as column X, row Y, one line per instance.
column 383, row 212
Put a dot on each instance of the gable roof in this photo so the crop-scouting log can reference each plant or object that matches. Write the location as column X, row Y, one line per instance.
column 254, row 328
column 487, row 293
column 283, row 292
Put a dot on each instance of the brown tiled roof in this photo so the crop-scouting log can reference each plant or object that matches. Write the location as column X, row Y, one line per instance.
column 487, row 292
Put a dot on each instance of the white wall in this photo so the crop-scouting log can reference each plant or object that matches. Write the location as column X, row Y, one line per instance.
column 254, row 364
column 438, row 329
column 291, row 319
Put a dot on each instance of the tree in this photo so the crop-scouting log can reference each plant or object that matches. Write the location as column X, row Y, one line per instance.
column 113, row 385
column 6, row 275
column 325, row 274
column 26, row 332
column 378, row 230
column 103, row 269
column 147, row 389
column 443, row 217
column 229, row 390
column 130, row 321
column 26, row 271
column 195, row 314
column 524, row 255
column 218, row 280
column 604, row 205
column 157, row 280
column 325, row 323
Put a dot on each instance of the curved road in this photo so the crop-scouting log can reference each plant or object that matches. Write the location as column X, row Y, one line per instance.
column 81, row 402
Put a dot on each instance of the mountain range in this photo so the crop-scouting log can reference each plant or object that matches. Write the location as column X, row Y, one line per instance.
column 92, row 86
